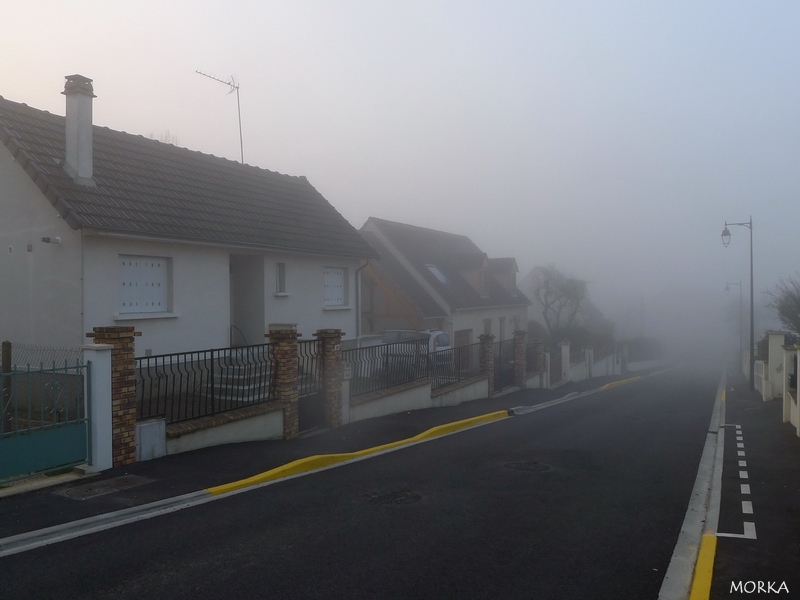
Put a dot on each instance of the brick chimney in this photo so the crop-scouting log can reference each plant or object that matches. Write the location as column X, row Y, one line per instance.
column 79, row 92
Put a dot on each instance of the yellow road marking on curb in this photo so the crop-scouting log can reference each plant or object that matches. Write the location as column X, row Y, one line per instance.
column 623, row 382
column 325, row 460
column 704, row 569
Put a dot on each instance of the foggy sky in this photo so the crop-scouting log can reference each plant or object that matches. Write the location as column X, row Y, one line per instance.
column 611, row 139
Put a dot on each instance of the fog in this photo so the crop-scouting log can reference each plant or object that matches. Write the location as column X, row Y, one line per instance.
column 612, row 140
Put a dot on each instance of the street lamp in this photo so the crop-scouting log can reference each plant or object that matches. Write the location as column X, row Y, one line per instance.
column 726, row 239
column 728, row 291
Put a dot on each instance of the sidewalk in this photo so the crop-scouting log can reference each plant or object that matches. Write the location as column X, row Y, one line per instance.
column 188, row 472
column 770, row 466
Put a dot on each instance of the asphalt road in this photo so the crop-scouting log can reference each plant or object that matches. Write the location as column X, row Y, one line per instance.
column 580, row 500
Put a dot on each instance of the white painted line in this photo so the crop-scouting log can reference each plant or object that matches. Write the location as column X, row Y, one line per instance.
column 67, row 531
column 740, row 445
column 749, row 532
column 743, row 475
column 747, row 507
column 740, row 452
column 745, row 487
column 742, row 463
column 738, row 427
column 739, row 438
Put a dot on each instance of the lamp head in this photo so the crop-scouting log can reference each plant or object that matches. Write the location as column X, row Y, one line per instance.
column 726, row 236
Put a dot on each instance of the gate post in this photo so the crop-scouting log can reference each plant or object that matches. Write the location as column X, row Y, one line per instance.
column 566, row 367
column 5, row 367
column 100, row 414
column 520, row 363
column 487, row 359
column 123, row 390
column 332, row 374
column 284, row 337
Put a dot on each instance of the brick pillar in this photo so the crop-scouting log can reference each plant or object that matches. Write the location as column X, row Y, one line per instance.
column 332, row 374
column 284, row 338
column 487, row 359
column 123, row 390
column 520, row 364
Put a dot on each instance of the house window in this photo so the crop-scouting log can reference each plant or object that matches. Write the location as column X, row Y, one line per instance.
column 280, row 278
column 335, row 286
column 144, row 284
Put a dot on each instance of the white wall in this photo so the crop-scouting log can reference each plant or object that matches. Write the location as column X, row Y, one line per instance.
column 303, row 301
column 200, row 294
column 40, row 288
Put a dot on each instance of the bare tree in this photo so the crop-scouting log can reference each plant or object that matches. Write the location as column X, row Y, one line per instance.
column 786, row 302
column 561, row 297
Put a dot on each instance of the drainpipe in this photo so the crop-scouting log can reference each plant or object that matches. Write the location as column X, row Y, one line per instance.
column 358, row 301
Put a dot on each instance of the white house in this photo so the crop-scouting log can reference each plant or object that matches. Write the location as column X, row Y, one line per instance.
column 102, row 228
column 429, row 279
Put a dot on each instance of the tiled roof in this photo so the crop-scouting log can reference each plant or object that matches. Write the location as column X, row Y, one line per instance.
column 148, row 188
column 388, row 268
column 451, row 254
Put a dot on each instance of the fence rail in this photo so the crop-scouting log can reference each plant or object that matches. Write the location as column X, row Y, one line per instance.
column 188, row 385
column 379, row 367
column 455, row 364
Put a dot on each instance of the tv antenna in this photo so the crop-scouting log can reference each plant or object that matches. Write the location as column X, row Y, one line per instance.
column 234, row 88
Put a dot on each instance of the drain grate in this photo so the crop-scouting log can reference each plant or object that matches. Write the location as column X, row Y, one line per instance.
column 530, row 466
column 397, row 497
column 101, row 488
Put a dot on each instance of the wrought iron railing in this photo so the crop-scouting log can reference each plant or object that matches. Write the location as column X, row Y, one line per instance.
column 379, row 367
column 454, row 365
column 188, row 385
column 309, row 367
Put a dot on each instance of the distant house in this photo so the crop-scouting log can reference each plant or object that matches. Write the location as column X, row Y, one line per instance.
column 428, row 279
column 103, row 228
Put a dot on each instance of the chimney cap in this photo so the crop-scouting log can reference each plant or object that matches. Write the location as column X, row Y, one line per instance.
column 78, row 84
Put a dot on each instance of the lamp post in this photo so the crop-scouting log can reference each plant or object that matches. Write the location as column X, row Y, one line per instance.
column 728, row 291
column 726, row 239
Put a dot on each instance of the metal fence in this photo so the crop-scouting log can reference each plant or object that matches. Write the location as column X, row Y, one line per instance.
column 16, row 355
column 43, row 419
column 309, row 371
column 503, row 364
column 188, row 385
column 379, row 367
column 455, row 364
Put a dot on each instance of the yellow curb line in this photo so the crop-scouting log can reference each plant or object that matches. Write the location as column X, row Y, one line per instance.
column 661, row 371
column 704, row 569
column 325, row 460
column 623, row 382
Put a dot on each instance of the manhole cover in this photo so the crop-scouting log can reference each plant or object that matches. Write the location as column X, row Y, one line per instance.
column 398, row 497
column 526, row 465
column 101, row 488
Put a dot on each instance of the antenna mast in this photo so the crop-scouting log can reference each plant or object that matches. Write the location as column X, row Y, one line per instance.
column 234, row 88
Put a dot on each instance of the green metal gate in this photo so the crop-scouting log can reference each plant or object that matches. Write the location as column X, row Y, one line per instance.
column 44, row 424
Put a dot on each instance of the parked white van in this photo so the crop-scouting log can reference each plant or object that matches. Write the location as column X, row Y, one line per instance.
column 437, row 339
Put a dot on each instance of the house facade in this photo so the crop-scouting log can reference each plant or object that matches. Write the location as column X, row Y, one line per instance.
column 103, row 228
column 429, row 279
